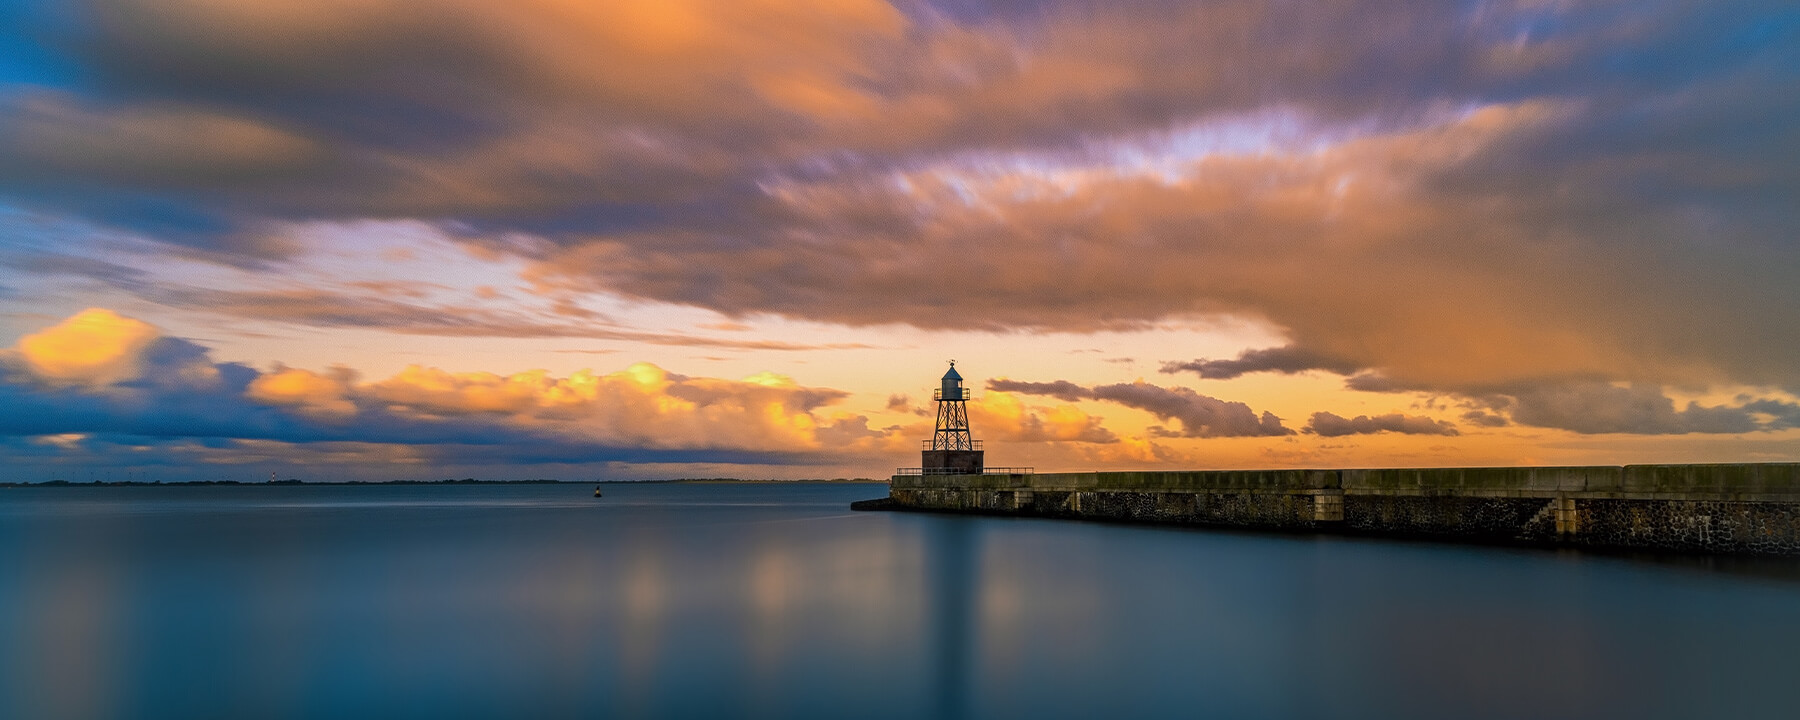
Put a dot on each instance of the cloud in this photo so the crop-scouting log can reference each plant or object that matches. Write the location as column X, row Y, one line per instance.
column 1462, row 245
column 1450, row 197
column 313, row 393
column 386, row 305
column 1780, row 414
column 1483, row 418
column 1199, row 415
column 641, row 405
column 52, row 138
column 1327, row 424
column 452, row 107
column 1286, row 360
column 1598, row 407
column 1341, row 247
column 1001, row 416
column 1592, row 407
column 101, row 375
column 49, row 263
column 1060, row 389
column 1378, row 383
column 95, row 346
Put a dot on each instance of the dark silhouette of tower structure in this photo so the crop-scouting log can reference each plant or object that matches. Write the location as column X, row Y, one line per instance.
column 951, row 450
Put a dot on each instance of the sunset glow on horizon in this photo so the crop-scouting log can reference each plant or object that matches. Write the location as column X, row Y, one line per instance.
column 349, row 239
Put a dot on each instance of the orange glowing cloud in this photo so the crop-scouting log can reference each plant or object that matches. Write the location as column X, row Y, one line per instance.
column 95, row 346
column 130, row 380
column 313, row 393
column 642, row 404
column 1003, row 416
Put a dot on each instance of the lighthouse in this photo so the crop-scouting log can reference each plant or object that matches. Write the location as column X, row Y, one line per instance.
column 951, row 450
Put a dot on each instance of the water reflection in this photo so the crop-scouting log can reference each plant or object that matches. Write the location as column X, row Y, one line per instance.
column 65, row 665
column 773, row 602
column 951, row 561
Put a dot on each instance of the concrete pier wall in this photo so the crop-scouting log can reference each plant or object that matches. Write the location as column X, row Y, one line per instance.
column 1729, row 508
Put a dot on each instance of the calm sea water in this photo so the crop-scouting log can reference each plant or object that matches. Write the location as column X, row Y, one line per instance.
column 775, row 601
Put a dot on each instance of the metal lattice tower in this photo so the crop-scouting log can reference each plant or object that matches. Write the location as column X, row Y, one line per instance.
column 952, row 431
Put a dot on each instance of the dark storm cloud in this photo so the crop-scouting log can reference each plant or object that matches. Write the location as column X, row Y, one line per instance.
column 524, row 112
column 1327, row 424
column 1199, row 415
column 536, row 115
column 1471, row 194
column 1286, row 360
column 1570, row 226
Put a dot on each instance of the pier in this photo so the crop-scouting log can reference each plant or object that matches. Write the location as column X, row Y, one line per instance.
column 1720, row 508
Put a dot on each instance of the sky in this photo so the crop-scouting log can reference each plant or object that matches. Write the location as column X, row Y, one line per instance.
column 367, row 240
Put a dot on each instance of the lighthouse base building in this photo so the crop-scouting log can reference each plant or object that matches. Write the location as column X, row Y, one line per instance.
column 952, row 462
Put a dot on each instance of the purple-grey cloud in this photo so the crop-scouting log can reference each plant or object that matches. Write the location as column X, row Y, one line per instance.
column 1781, row 414
column 1286, row 360
column 1199, row 415
column 1598, row 407
column 1060, row 389
column 1483, row 418
column 319, row 308
column 1327, row 424
column 1591, row 406
column 373, row 305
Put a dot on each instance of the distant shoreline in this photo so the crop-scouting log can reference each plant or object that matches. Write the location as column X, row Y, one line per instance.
column 465, row 481
column 288, row 482
column 725, row 480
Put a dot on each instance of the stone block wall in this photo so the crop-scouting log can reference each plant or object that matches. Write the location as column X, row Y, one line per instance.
column 1713, row 526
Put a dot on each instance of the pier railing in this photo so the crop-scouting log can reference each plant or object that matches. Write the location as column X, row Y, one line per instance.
column 954, row 471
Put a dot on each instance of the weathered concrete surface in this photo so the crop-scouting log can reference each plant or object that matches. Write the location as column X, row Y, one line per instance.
column 967, row 461
column 1732, row 508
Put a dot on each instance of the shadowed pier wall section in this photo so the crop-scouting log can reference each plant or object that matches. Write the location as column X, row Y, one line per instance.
column 1729, row 508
